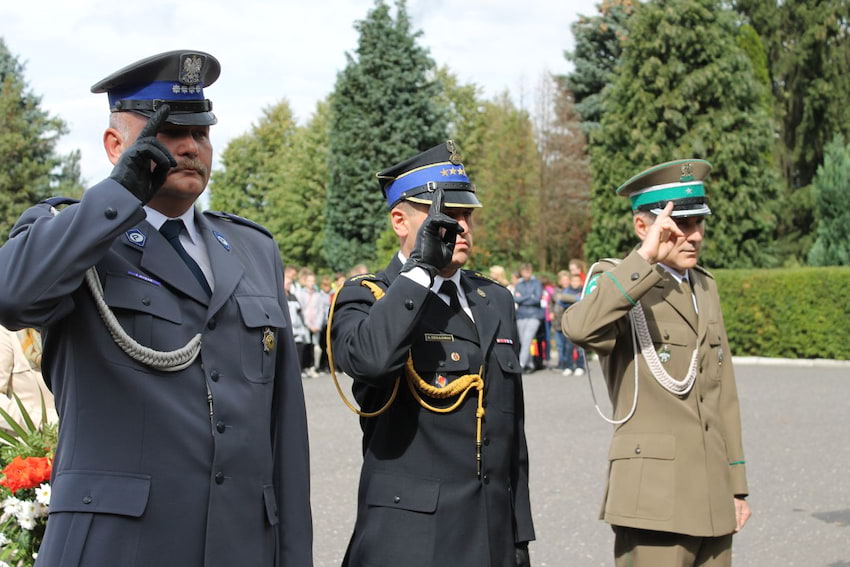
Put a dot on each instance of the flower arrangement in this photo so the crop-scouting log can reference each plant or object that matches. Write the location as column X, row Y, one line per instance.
column 26, row 461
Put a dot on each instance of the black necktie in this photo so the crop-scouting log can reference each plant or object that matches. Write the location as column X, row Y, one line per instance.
column 171, row 230
column 449, row 288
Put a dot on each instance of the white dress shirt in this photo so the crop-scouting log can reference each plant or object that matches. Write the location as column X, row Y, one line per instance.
column 190, row 238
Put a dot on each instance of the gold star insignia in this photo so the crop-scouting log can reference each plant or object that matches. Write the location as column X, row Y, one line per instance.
column 453, row 171
column 460, row 171
column 444, row 172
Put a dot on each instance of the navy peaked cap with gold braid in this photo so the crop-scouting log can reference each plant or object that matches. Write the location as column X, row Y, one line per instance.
column 174, row 77
column 417, row 178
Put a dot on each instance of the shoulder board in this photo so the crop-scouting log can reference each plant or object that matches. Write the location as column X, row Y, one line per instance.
column 703, row 271
column 479, row 275
column 239, row 220
column 595, row 271
column 59, row 201
column 359, row 277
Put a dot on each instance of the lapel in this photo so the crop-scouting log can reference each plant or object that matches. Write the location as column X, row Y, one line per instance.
column 226, row 267
column 698, row 281
column 677, row 299
column 481, row 311
column 161, row 260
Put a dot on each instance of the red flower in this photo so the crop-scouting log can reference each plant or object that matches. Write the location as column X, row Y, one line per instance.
column 24, row 473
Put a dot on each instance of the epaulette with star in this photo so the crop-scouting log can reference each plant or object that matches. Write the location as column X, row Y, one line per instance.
column 480, row 275
column 239, row 220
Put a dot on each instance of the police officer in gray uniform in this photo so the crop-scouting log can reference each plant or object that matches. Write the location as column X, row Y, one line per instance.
column 183, row 437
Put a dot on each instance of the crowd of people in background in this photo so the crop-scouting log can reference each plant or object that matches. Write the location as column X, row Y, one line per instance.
column 540, row 304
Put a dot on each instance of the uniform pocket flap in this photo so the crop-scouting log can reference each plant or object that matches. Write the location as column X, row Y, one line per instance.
column 714, row 335
column 448, row 357
column 131, row 292
column 634, row 446
column 417, row 494
column 271, row 504
column 100, row 492
column 260, row 311
column 508, row 360
column 670, row 332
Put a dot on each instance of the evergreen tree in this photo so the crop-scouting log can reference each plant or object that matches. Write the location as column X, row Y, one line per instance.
column 832, row 187
column 298, row 204
column 32, row 170
column 598, row 45
column 255, row 165
column 383, row 110
column 684, row 88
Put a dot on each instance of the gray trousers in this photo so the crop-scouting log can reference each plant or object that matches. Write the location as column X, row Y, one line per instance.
column 527, row 331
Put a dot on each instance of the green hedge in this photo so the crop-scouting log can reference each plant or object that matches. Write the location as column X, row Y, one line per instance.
column 787, row 313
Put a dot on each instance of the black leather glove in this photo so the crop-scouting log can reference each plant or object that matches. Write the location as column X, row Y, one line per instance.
column 133, row 169
column 433, row 251
column 522, row 558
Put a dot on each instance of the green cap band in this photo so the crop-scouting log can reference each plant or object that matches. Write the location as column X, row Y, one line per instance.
column 670, row 192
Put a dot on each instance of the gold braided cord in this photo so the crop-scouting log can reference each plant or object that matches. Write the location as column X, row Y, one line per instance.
column 458, row 387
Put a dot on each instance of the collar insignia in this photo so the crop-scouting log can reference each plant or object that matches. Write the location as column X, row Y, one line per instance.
column 222, row 240
column 137, row 237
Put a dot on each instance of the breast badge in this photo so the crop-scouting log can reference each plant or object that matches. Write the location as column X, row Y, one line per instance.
column 268, row 340
column 664, row 354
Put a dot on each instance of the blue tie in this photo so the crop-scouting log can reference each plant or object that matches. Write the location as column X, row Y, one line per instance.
column 171, row 230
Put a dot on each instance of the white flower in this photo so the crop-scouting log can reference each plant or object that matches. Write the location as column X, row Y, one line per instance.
column 3, row 541
column 27, row 514
column 42, row 494
column 4, row 564
column 11, row 507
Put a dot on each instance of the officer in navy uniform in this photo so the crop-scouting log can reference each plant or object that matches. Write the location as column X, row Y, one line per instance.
column 183, row 437
column 444, row 481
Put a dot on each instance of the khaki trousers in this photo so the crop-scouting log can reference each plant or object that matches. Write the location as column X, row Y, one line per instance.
column 647, row 548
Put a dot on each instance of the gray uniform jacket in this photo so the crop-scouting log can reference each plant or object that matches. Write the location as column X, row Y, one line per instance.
column 206, row 466
column 421, row 503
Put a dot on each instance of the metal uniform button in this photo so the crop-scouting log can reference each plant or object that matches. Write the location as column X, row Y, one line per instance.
column 441, row 363
column 486, row 441
column 635, row 276
column 706, row 427
column 637, row 450
column 219, row 477
column 87, row 499
column 214, row 375
column 396, row 499
column 486, row 479
column 211, row 324
column 510, row 364
column 701, row 398
column 146, row 301
column 110, row 213
column 220, row 426
column 408, row 304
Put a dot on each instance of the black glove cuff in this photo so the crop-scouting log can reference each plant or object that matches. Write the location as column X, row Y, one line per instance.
column 429, row 269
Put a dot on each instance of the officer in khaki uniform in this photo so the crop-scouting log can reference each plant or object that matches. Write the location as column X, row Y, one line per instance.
column 677, row 478
column 432, row 349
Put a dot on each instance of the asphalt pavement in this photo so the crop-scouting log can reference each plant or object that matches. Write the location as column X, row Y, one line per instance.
column 796, row 423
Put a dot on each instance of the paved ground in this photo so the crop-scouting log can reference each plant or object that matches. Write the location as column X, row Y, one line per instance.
column 796, row 435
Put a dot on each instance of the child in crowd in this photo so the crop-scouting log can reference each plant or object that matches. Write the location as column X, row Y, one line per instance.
column 570, row 357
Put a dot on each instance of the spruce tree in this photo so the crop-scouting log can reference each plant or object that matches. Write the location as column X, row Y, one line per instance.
column 383, row 110
column 684, row 88
column 32, row 170
column 832, row 188
column 598, row 45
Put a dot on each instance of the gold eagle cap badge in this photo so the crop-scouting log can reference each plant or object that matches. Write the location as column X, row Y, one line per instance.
column 454, row 152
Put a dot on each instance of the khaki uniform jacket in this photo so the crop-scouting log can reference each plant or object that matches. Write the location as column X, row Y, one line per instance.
column 677, row 464
column 18, row 377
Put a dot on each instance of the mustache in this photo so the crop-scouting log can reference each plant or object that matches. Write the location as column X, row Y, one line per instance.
column 193, row 164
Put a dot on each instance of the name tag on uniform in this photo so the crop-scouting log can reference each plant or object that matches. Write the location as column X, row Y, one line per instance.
column 433, row 337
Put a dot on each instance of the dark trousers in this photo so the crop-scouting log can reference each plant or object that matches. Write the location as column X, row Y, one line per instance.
column 569, row 355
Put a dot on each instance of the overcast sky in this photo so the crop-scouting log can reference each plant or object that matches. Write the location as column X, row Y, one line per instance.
column 269, row 50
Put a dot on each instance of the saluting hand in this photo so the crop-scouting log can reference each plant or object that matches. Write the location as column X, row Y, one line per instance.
column 435, row 241
column 661, row 237
column 134, row 170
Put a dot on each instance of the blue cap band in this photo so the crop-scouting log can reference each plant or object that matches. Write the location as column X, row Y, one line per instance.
column 163, row 90
column 443, row 172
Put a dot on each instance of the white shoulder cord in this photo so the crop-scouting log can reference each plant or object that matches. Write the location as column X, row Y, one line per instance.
column 161, row 360
column 642, row 337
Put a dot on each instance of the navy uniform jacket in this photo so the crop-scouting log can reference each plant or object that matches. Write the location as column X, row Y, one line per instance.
column 146, row 473
column 420, row 501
